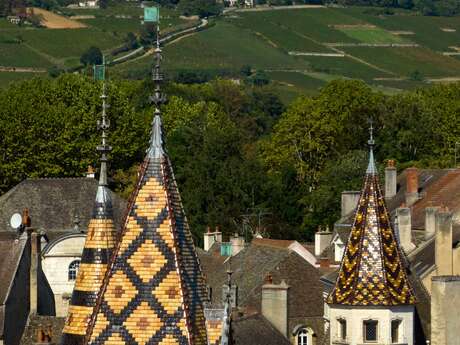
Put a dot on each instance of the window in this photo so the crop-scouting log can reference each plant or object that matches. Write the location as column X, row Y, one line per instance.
column 302, row 337
column 342, row 329
column 395, row 331
column 73, row 269
column 370, row 331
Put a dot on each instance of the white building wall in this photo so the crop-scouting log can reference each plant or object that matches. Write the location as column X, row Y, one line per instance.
column 355, row 316
column 55, row 265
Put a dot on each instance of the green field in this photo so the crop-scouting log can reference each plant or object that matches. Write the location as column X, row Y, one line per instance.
column 222, row 47
column 372, row 35
column 344, row 39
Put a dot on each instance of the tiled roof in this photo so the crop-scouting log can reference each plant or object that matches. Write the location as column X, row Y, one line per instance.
column 53, row 203
column 154, row 292
column 98, row 248
column 445, row 191
column 372, row 271
column 12, row 251
column 256, row 330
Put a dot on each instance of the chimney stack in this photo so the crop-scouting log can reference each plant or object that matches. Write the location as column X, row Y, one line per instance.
column 322, row 240
column 237, row 243
column 275, row 305
column 390, row 179
column 405, row 229
column 90, row 173
column 445, row 304
column 443, row 242
column 411, row 186
column 349, row 202
column 34, row 261
column 430, row 221
column 210, row 238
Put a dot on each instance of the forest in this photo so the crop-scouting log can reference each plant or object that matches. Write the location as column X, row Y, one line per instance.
column 236, row 149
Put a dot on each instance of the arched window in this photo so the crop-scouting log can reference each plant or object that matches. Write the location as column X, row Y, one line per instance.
column 73, row 269
column 302, row 337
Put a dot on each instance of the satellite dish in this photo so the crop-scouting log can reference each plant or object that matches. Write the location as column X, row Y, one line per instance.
column 16, row 221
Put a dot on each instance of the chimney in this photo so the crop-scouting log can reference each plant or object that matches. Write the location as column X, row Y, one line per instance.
column 209, row 238
column 275, row 305
column 443, row 242
column 322, row 240
column 390, row 179
column 445, row 305
column 404, row 229
column 34, row 261
column 349, row 202
column 90, row 173
column 237, row 243
column 411, row 186
column 218, row 233
column 430, row 221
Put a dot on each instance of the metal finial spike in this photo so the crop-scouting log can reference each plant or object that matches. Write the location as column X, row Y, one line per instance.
column 103, row 125
column 371, row 167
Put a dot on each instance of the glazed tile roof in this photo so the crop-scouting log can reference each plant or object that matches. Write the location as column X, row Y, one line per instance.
column 99, row 244
column 372, row 271
column 154, row 292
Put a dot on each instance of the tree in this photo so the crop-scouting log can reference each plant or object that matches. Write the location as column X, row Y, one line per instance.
column 93, row 56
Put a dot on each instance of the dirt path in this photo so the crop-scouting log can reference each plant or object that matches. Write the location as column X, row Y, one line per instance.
column 22, row 69
column 55, row 21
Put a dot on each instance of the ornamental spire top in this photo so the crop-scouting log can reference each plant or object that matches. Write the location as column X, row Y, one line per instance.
column 371, row 167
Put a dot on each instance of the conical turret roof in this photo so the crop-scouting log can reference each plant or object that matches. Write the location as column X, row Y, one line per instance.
column 372, row 271
column 154, row 291
column 100, row 241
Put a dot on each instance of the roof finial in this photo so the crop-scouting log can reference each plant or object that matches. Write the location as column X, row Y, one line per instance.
column 371, row 168
column 226, row 336
column 158, row 98
column 103, row 125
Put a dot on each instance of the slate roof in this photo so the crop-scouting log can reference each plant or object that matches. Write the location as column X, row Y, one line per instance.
column 154, row 292
column 372, row 270
column 256, row 330
column 54, row 202
column 11, row 253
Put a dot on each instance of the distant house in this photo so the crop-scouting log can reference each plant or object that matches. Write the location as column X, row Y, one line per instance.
column 88, row 4
column 14, row 19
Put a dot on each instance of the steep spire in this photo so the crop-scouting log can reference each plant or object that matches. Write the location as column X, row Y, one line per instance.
column 371, row 168
column 154, row 291
column 372, row 271
column 99, row 244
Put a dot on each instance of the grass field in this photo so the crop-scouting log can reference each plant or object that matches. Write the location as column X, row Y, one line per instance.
column 404, row 61
column 372, row 35
column 264, row 40
column 224, row 47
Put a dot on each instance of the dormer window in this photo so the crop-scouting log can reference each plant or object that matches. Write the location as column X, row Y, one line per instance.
column 370, row 330
column 395, row 331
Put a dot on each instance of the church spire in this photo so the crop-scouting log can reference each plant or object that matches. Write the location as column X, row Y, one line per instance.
column 153, row 292
column 372, row 271
column 98, row 248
